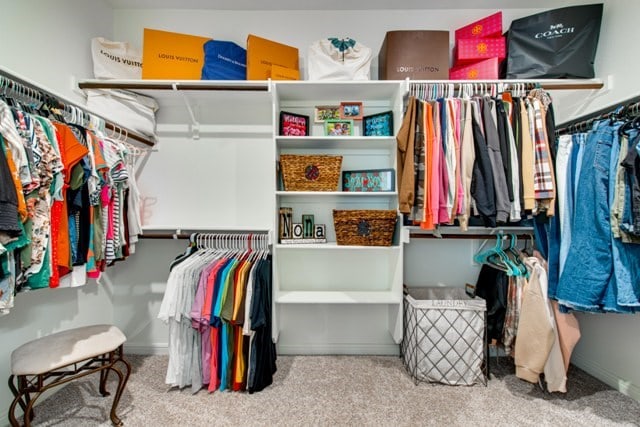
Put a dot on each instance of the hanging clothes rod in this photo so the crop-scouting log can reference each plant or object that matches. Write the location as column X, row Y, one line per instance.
column 630, row 106
column 554, row 84
column 34, row 91
column 466, row 236
column 248, row 86
column 187, row 233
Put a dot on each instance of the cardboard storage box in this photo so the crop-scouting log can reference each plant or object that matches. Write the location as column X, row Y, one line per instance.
column 486, row 69
column 490, row 26
column 167, row 55
column 262, row 54
column 417, row 54
column 471, row 50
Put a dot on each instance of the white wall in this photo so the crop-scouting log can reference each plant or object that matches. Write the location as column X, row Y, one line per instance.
column 615, row 63
column 48, row 42
column 609, row 346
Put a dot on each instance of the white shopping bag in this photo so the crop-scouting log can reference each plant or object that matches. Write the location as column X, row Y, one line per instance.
column 115, row 60
column 131, row 110
column 338, row 59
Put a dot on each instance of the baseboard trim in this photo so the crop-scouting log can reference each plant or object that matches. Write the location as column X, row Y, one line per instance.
column 147, row 349
column 339, row 348
column 623, row 386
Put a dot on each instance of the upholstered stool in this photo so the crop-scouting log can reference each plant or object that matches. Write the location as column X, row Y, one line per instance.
column 62, row 357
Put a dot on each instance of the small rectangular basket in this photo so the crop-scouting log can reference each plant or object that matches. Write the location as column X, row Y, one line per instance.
column 310, row 172
column 364, row 227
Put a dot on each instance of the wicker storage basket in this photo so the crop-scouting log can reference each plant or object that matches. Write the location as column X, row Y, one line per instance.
column 364, row 227
column 310, row 172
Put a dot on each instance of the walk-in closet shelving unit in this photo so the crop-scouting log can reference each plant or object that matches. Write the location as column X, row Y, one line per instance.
column 215, row 170
column 333, row 276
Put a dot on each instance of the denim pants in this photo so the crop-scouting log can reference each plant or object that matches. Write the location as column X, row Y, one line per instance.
column 626, row 256
column 560, row 223
column 600, row 273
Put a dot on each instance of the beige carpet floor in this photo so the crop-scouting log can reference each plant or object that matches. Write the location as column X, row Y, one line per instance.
column 345, row 391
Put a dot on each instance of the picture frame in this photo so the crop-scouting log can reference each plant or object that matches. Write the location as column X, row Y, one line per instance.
column 326, row 112
column 292, row 124
column 351, row 110
column 369, row 180
column 338, row 128
column 380, row 124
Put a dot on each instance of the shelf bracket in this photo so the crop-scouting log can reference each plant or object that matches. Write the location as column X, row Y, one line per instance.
column 195, row 125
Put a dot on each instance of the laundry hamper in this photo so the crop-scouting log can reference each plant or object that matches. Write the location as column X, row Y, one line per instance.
column 444, row 339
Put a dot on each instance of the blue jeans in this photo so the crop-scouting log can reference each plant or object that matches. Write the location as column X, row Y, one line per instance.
column 599, row 273
column 626, row 256
column 560, row 226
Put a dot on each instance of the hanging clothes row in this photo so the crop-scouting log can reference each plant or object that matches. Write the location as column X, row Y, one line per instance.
column 593, row 244
column 521, row 318
column 218, row 307
column 475, row 154
column 69, row 204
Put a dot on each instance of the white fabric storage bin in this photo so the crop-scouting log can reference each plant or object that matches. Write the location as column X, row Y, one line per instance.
column 444, row 337
column 131, row 110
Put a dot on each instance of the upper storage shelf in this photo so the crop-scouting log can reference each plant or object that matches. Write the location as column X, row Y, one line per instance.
column 203, row 107
column 244, row 108
column 330, row 91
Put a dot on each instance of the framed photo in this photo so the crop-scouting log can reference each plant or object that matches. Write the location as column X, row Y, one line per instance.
column 338, row 127
column 293, row 124
column 370, row 180
column 326, row 112
column 378, row 124
column 351, row 110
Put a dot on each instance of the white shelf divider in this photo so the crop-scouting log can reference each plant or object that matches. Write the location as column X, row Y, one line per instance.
column 338, row 297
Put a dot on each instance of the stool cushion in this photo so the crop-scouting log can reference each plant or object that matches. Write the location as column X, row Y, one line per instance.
column 63, row 348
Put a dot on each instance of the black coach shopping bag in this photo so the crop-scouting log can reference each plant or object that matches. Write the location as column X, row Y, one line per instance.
column 559, row 43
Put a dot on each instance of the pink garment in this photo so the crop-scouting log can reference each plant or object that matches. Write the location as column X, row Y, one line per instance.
column 568, row 333
column 443, row 183
column 198, row 322
column 207, row 345
column 436, row 155
column 460, row 194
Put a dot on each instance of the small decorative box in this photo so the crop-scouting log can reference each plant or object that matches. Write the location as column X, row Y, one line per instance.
column 490, row 26
column 371, row 180
column 486, row 69
column 469, row 50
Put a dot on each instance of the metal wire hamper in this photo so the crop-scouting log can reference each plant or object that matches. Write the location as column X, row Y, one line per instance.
column 445, row 339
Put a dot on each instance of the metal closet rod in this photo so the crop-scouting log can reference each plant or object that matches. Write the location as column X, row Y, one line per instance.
column 61, row 102
column 557, row 84
column 466, row 236
column 185, row 236
column 630, row 106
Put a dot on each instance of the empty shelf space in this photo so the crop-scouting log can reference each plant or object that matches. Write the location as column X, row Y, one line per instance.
column 338, row 297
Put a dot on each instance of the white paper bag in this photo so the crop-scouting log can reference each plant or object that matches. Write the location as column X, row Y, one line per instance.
column 115, row 60
column 338, row 59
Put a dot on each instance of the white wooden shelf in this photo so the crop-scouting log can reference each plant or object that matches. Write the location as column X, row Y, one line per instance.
column 338, row 297
column 334, row 142
column 333, row 246
column 339, row 194
column 331, row 91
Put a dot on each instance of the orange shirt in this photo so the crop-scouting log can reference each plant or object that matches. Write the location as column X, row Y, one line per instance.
column 71, row 152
